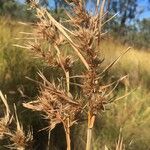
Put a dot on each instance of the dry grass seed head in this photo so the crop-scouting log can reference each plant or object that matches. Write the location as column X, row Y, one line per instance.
column 81, row 16
column 6, row 120
column 56, row 105
column 18, row 138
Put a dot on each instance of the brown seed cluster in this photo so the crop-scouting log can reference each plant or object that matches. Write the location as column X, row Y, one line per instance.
column 18, row 139
column 55, row 104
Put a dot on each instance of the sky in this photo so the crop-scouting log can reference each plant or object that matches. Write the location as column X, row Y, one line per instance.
column 143, row 5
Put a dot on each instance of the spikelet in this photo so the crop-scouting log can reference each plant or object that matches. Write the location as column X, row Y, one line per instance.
column 55, row 104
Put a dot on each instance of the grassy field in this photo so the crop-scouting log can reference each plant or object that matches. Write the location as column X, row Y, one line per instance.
column 129, row 116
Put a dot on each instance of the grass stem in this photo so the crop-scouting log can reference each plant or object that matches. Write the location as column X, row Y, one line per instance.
column 91, row 120
column 67, row 132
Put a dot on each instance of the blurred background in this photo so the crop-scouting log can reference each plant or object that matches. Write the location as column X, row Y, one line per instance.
column 130, row 116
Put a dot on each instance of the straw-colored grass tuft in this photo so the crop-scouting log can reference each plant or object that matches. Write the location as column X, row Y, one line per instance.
column 6, row 120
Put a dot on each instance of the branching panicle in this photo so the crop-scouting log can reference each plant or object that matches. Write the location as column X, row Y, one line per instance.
column 84, row 37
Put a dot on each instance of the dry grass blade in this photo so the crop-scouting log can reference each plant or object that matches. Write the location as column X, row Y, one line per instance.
column 106, row 148
column 61, row 29
column 102, row 10
column 26, row 33
column 25, row 23
column 5, row 103
column 17, row 120
column 115, row 61
column 100, row 18
column 43, row 78
column 109, row 19
column 6, row 120
column 117, row 82
column 20, row 46
column 33, row 106
column 98, row 3
column 119, row 145
column 80, row 56
column 121, row 97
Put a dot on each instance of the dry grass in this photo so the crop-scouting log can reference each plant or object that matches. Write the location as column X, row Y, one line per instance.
column 136, row 121
column 6, row 120
column 84, row 36
column 55, row 101
column 134, row 64
column 18, row 138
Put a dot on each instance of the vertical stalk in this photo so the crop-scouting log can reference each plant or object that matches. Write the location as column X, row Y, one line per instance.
column 91, row 120
column 67, row 81
column 89, row 138
column 67, row 132
column 48, row 143
column 67, row 123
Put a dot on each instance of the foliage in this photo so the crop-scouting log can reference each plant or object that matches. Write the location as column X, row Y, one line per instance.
column 125, row 25
column 15, row 63
column 140, row 38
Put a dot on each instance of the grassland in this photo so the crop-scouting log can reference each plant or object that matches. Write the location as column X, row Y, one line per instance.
column 130, row 116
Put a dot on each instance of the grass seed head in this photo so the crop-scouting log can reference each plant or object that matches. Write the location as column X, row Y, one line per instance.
column 55, row 104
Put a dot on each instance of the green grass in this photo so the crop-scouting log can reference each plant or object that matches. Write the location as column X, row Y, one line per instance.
column 130, row 117
column 15, row 63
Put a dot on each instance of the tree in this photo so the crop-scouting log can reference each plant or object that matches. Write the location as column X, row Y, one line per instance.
column 127, row 10
column 8, row 7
